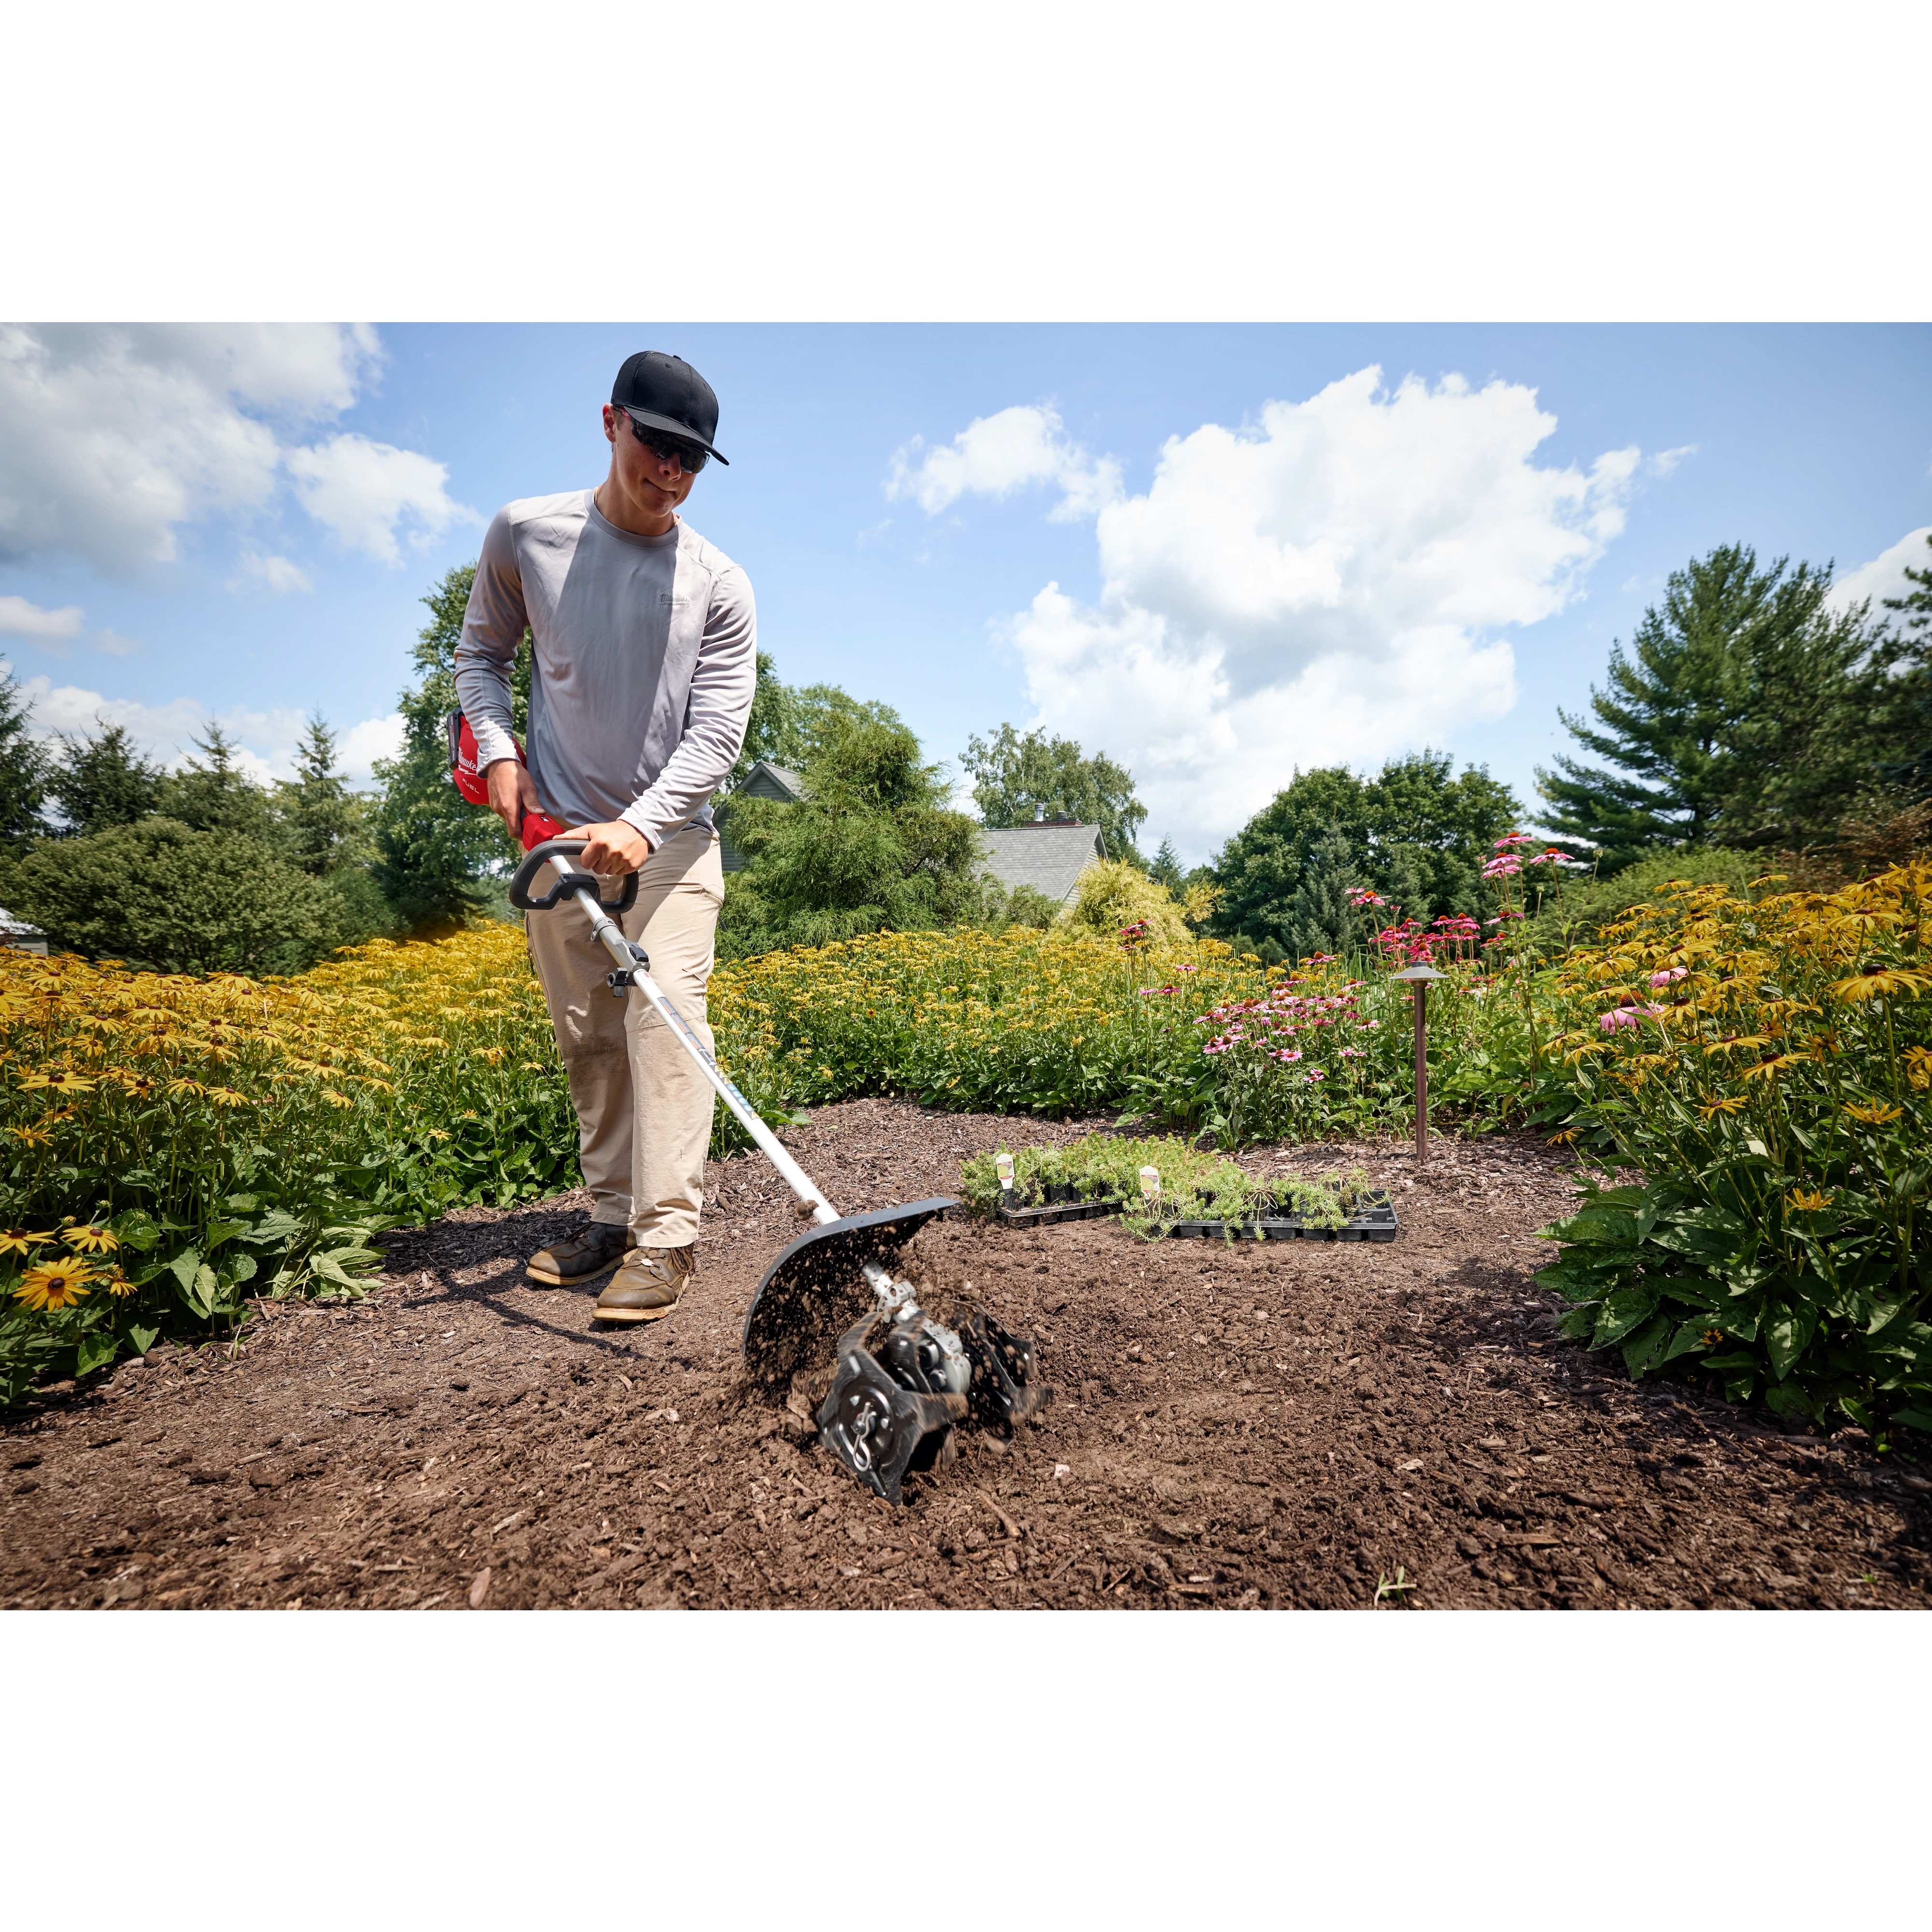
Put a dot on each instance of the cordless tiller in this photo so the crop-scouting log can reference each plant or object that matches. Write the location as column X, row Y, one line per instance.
column 892, row 1410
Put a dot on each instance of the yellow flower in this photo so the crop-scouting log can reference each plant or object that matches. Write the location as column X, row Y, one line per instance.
column 19, row 1240
column 1808, row 1203
column 1732, row 1103
column 90, row 1239
column 336, row 1100
column 1711, row 1337
column 117, row 1285
column 1875, row 1115
column 1877, row 982
column 59, row 1283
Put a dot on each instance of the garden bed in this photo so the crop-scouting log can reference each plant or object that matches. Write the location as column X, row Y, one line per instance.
column 1290, row 1424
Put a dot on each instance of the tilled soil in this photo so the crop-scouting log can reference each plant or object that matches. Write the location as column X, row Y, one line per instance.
column 1307, row 1424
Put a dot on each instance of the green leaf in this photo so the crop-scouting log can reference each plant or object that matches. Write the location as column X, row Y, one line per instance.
column 135, row 1228
column 1644, row 1350
column 278, row 1224
column 219, row 1231
column 1786, row 1336
column 1622, row 1311
column 1914, row 1418
column 97, row 1346
column 1688, row 1339
column 142, row 1338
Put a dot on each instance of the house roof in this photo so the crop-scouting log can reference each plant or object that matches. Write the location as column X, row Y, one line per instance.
column 1049, row 857
column 767, row 780
column 18, row 929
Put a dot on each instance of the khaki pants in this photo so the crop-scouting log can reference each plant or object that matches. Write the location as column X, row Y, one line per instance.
column 644, row 1109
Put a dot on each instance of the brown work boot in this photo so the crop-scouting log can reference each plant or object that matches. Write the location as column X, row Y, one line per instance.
column 579, row 1257
column 648, row 1285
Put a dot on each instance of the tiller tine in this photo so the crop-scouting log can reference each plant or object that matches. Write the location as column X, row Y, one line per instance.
column 1002, row 1391
column 878, row 1429
column 814, row 1291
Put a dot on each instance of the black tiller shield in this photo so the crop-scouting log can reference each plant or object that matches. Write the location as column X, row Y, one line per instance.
column 816, row 1289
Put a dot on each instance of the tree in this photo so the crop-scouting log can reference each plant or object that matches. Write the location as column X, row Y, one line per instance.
column 162, row 895
column 1414, row 833
column 1017, row 777
column 1740, row 717
column 1165, row 868
column 323, row 817
column 794, row 725
column 104, row 781
column 1906, row 661
column 432, row 848
column 872, row 849
column 23, row 768
column 218, row 796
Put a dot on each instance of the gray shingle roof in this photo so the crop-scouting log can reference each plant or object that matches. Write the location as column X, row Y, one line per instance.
column 1049, row 858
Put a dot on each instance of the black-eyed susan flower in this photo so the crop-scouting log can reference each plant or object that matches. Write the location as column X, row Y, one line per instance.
column 90, row 1239
column 23, row 1240
column 55, row 1284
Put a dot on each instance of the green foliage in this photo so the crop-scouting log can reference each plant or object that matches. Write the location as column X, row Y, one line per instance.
column 1575, row 909
column 1019, row 775
column 1766, row 1068
column 1906, row 694
column 797, row 726
column 103, row 782
column 23, row 770
column 872, row 849
column 324, row 821
column 212, row 793
column 163, row 894
column 1189, row 1185
column 432, row 849
column 1113, row 896
column 1413, row 832
column 1743, row 715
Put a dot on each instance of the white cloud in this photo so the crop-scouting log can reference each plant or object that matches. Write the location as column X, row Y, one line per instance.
column 278, row 574
column 266, row 741
column 362, row 490
column 361, row 745
column 115, row 644
column 995, row 455
column 1885, row 576
column 20, row 619
column 1326, row 587
column 113, row 438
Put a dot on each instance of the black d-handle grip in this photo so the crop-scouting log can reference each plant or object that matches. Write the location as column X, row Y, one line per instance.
column 570, row 878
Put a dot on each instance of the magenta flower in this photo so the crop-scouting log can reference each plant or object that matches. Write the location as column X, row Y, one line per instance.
column 1664, row 978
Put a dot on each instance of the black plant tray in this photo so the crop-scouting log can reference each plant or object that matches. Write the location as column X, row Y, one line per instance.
column 1374, row 1221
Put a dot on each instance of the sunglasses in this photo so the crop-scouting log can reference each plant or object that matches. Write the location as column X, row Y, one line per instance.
column 665, row 447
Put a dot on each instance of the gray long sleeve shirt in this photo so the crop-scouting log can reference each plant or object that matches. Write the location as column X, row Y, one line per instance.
column 646, row 662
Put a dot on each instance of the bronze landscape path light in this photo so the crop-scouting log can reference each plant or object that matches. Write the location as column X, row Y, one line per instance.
column 1419, row 977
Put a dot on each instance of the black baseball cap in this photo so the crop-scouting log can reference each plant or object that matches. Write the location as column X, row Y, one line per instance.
column 665, row 392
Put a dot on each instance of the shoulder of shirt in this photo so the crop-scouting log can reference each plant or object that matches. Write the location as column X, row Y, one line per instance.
column 704, row 553
column 567, row 506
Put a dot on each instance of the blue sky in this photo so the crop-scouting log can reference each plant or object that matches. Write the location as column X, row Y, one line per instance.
column 197, row 522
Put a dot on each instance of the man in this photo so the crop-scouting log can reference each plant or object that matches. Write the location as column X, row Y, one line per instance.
column 645, row 662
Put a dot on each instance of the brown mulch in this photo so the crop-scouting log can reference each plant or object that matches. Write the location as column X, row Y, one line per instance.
column 1293, row 1425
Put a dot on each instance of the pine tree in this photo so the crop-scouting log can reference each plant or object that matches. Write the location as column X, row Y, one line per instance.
column 1739, row 717
column 23, row 770
column 104, row 781
column 432, row 848
column 1166, row 868
column 213, row 793
column 319, row 811
column 1906, row 661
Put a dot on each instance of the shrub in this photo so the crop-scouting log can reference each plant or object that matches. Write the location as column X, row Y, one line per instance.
column 1767, row 1068
column 1113, row 896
